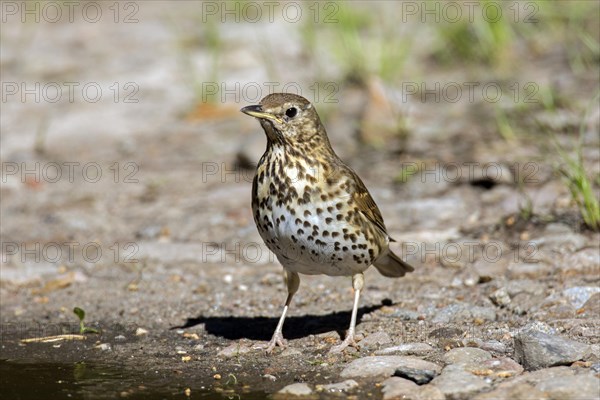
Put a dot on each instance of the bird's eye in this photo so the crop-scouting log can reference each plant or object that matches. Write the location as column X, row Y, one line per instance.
column 291, row 112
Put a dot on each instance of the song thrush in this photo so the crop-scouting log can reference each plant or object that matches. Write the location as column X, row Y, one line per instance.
column 311, row 209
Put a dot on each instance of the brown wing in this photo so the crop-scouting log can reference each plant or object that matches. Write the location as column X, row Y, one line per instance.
column 366, row 205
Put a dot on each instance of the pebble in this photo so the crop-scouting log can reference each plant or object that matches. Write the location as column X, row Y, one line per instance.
column 140, row 332
column 339, row 387
column 490, row 270
column 524, row 286
column 290, row 352
column 503, row 366
column 579, row 295
column 571, row 387
column 400, row 388
column 446, row 332
column 538, row 326
column 417, row 349
column 595, row 355
column 296, row 389
column 376, row 339
column 103, row 347
column 456, row 383
column 489, row 345
column 561, row 239
column 536, row 270
column 467, row 357
column 234, row 350
column 417, row 370
column 535, row 377
column 586, row 261
column 536, row 350
column 500, row 297
column 592, row 306
column 405, row 314
column 510, row 390
column 462, row 312
column 419, row 376
column 386, row 366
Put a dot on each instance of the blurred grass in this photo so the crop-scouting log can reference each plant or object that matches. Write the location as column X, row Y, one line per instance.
column 573, row 170
column 363, row 44
column 206, row 37
column 481, row 40
column 533, row 26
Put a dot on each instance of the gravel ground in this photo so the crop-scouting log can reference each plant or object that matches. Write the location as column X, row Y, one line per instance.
column 161, row 252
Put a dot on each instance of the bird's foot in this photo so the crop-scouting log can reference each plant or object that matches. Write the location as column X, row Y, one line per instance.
column 276, row 340
column 349, row 341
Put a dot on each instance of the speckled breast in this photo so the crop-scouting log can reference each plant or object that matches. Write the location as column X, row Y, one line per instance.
column 310, row 224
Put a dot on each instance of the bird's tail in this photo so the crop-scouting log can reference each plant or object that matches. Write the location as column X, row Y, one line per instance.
column 392, row 266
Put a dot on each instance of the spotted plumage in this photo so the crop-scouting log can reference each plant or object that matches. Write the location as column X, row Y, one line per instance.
column 313, row 212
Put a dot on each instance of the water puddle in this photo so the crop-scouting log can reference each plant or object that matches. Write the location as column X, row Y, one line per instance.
column 21, row 379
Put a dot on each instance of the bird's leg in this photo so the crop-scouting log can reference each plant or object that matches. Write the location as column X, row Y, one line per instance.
column 292, row 281
column 358, row 281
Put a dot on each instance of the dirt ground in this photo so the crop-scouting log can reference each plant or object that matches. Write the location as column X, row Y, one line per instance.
column 139, row 213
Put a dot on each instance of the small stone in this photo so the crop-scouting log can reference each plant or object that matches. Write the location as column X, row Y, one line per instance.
column 592, row 306
column 140, row 332
column 103, row 347
column 120, row 338
column 535, row 377
column 535, row 270
column 290, row 352
column 510, row 390
column 386, row 366
column 296, row 389
column 467, row 356
column 405, row 314
column 339, row 387
column 536, row 350
column 407, row 349
column 462, row 312
column 419, row 376
column 503, row 367
column 446, row 332
column 376, row 339
column 234, row 350
column 595, row 354
column 560, row 240
column 455, row 383
column 417, row 370
column 571, row 387
column 579, row 295
column 586, row 261
column 489, row 345
column 490, row 270
column 269, row 377
column 400, row 388
column 500, row 297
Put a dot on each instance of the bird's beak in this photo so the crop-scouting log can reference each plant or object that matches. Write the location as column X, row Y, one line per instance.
column 257, row 112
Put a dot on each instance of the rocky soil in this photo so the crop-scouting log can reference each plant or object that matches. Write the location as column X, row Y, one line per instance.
column 161, row 252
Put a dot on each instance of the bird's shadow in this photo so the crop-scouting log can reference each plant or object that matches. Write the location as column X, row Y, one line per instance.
column 261, row 328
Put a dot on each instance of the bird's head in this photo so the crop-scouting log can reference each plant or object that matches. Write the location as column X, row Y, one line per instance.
column 288, row 119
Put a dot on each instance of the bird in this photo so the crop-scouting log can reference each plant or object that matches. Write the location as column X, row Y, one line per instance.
column 311, row 209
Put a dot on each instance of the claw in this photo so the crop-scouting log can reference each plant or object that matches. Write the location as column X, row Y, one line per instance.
column 276, row 340
column 349, row 341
